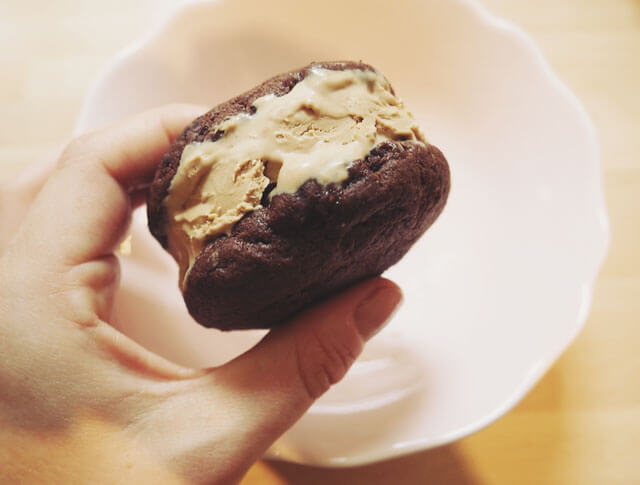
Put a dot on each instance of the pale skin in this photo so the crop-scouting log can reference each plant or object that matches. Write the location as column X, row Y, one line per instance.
column 80, row 402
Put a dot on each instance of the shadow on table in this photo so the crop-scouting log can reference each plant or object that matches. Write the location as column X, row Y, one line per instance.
column 444, row 465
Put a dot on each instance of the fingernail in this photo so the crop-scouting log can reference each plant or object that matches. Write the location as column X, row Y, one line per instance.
column 376, row 308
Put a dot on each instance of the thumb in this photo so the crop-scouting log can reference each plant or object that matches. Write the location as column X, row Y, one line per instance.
column 295, row 364
column 235, row 412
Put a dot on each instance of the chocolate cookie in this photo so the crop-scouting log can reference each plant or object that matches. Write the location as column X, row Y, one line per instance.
column 306, row 184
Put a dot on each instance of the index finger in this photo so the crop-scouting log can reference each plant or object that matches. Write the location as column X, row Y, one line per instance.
column 130, row 150
column 83, row 209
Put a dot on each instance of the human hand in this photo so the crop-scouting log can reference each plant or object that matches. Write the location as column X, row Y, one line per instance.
column 61, row 363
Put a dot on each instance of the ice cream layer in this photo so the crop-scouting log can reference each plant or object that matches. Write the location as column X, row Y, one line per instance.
column 316, row 131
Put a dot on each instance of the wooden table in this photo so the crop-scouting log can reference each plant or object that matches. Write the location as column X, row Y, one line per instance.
column 581, row 423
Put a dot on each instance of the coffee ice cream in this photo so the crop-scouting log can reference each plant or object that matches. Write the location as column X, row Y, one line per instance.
column 316, row 131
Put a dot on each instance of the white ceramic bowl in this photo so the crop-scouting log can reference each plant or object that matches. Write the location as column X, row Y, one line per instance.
column 498, row 287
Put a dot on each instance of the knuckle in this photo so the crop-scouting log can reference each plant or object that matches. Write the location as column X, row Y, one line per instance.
column 324, row 359
column 76, row 149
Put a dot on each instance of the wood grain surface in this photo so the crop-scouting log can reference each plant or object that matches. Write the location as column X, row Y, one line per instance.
column 581, row 423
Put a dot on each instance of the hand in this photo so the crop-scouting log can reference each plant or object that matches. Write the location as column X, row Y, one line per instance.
column 65, row 372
